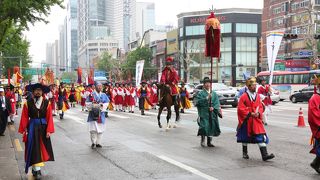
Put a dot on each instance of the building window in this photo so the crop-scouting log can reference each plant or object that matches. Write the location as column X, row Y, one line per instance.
column 246, row 28
column 317, row 2
column 246, row 51
column 278, row 21
column 181, row 32
column 195, row 30
column 226, row 28
column 93, row 44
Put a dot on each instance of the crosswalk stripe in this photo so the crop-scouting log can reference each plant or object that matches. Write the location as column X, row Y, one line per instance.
column 118, row 116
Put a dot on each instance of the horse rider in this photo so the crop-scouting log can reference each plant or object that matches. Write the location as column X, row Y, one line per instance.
column 170, row 78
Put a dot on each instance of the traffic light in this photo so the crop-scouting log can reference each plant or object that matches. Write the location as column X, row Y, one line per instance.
column 290, row 36
column 317, row 36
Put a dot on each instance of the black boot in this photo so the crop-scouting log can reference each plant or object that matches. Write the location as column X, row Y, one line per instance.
column 245, row 152
column 209, row 140
column 316, row 164
column 265, row 155
column 37, row 175
column 142, row 112
column 202, row 141
column 182, row 111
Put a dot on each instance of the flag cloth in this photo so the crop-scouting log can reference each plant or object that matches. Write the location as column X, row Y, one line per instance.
column 212, row 36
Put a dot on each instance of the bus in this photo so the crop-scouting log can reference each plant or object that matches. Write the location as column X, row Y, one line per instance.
column 287, row 82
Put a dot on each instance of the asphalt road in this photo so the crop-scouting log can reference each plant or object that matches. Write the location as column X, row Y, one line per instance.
column 135, row 148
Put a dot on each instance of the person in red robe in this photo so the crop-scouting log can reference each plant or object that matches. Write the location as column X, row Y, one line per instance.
column 170, row 78
column 264, row 92
column 52, row 99
column 118, row 100
column 130, row 95
column 250, row 128
column 314, row 122
column 36, row 126
column 154, row 95
column 83, row 98
column 12, row 97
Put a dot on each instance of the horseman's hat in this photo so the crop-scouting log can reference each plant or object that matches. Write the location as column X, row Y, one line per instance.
column 169, row 61
column 32, row 87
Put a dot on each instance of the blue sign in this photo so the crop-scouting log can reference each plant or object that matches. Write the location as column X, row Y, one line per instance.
column 99, row 73
column 304, row 53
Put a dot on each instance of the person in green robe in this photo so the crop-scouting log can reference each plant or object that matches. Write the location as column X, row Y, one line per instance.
column 208, row 113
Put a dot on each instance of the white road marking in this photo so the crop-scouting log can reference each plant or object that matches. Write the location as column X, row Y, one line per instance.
column 78, row 120
column 186, row 167
column 117, row 116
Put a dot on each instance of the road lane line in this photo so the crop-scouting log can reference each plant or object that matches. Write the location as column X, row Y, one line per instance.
column 118, row 116
column 78, row 120
column 186, row 167
column 18, row 145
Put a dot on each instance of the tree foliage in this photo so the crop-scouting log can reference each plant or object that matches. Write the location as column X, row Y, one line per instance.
column 129, row 67
column 110, row 65
column 14, row 48
column 20, row 13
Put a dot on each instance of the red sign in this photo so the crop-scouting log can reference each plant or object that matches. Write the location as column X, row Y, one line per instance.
column 297, row 63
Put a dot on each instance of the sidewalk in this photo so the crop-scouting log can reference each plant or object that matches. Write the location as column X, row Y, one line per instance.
column 8, row 162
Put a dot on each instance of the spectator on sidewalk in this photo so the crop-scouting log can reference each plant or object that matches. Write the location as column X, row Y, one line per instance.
column 5, row 108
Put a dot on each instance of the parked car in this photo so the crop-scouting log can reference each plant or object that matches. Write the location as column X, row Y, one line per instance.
column 227, row 96
column 190, row 89
column 302, row 95
column 275, row 96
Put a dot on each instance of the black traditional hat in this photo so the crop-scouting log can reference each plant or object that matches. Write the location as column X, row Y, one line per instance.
column 206, row 80
column 11, row 87
column 32, row 87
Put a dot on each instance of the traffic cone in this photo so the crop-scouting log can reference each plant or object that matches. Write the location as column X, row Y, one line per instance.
column 301, row 119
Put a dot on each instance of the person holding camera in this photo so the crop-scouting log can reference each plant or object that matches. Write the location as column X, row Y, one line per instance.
column 97, row 118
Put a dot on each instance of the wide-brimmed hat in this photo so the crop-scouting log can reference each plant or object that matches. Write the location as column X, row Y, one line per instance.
column 143, row 82
column 11, row 87
column 32, row 87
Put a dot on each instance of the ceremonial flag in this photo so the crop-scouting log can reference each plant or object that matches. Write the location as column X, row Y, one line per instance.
column 139, row 70
column 273, row 44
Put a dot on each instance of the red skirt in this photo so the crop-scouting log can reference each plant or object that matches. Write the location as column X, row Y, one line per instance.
column 53, row 104
column 118, row 100
column 83, row 101
column 130, row 101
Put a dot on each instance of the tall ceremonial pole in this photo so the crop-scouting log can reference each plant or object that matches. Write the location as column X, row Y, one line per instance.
column 212, row 49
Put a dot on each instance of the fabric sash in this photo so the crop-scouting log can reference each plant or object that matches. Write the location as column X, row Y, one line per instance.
column 32, row 124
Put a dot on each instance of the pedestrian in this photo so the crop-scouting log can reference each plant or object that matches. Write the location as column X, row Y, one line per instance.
column 143, row 94
column 130, row 98
column 83, row 98
column 96, row 118
column 184, row 98
column 72, row 96
column 118, row 100
column 125, row 97
column 314, row 122
column 5, row 110
column 63, row 105
column 250, row 128
column 52, row 99
column 12, row 97
column 208, row 105
column 265, row 91
column 36, row 126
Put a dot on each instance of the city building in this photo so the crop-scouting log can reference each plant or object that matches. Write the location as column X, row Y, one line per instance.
column 104, row 21
column 63, row 47
column 72, row 34
column 145, row 17
column 299, row 17
column 241, row 31
column 52, row 57
column 93, row 48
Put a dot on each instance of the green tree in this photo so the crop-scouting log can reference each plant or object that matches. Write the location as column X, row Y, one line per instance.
column 69, row 75
column 110, row 65
column 20, row 13
column 14, row 48
column 129, row 67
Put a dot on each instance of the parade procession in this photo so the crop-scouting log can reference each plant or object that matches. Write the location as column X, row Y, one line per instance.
column 225, row 90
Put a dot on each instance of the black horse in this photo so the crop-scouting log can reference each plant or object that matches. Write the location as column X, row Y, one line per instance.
column 166, row 101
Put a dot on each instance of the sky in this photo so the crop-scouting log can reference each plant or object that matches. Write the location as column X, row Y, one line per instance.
column 166, row 13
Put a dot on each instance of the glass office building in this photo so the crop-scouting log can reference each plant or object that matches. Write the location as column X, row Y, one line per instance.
column 241, row 31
